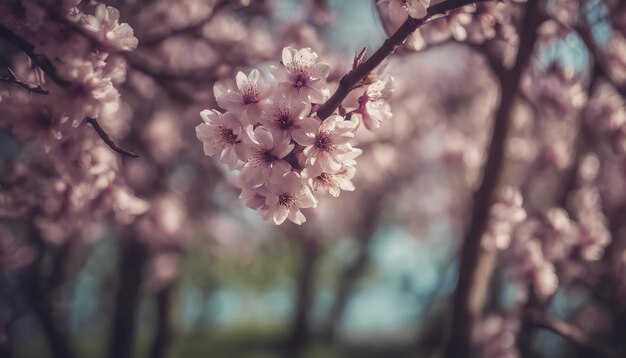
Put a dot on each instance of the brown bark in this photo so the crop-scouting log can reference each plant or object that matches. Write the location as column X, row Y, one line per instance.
column 300, row 331
column 164, row 334
column 476, row 263
column 131, row 265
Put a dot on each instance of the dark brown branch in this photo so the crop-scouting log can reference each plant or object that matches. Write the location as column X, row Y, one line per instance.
column 476, row 266
column 106, row 139
column 352, row 78
column 12, row 78
column 48, row 68
column 26, row 47
column 567, row 331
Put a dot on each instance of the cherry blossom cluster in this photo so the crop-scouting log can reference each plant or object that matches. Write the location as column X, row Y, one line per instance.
column 541, row 244
column 271, row 135
column 475, row 23
column 68, row 68
column 77, row 46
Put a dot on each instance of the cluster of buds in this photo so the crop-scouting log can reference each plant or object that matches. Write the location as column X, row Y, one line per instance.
column 284, row 152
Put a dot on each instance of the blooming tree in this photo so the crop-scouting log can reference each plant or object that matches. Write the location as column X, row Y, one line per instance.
column 530, row 144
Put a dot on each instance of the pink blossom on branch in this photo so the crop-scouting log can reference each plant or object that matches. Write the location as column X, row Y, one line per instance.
column 263, row 154
column 104, row 24
column 400, row 10
column 221, row 134
column 248, row 99
column 286, row 199
column 302, row 76
column 325, row 141
column 282, row 151
column 370, row 104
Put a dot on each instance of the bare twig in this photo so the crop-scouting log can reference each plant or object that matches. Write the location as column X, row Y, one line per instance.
column 46, row 66
column 567, row 331
column 347, row 83
column 106, row 139
column 12, row 78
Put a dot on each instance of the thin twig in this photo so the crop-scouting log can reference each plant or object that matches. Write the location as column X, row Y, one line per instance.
column 12, row 78
column 46, row 66
column 106, row 139
column 567, row 331
column 347, row 83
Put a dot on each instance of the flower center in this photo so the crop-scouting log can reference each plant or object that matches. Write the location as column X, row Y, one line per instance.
column 323, row 141
column 227, row 135
column 324, row 180
column 284, row 122
column 287, row 199
column 266, row 157
column 300, row 81
column 250, row 93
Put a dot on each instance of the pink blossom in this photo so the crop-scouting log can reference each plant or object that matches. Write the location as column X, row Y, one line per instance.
column 263, row 154
column 221, row 133
column 333, row 183
column 370, row 105
column 91, row 93
column 283, row 114
column 104, row 24
column 255, row 199
column 302, row 75
column 400, row 10
column 248, row 100
column 325, row 141
column 287, row 198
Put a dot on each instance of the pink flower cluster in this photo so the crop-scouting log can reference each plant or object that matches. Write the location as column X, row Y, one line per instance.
column 64, row 177
column 270, row 133
column 81, row 42
column 542, row 244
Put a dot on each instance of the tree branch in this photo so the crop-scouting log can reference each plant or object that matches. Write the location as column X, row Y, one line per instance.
column 347, row 83
column 48, row 68
column 476, row 264
column 106, row 139
column 26, row 47
column 12, row 78
column 567, row 331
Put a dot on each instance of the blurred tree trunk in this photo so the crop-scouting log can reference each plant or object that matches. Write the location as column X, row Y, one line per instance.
column 300, row 330
column 355, row 270
column 476, row 263
column 41, row 289
column 164, row 335
column 132, row 260
column 6, row 345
